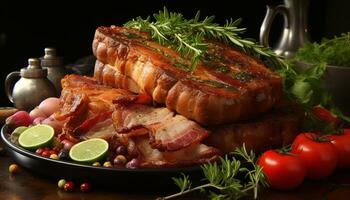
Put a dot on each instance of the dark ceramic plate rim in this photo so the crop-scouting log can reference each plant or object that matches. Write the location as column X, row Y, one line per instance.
column 30, row 154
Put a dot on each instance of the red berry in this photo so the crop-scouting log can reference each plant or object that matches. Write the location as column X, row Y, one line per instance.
column 56, row 149
column 133, row 164
column 85, row 187
column 52, row 152
column 39, row 151
column 69, row 186
column 45, row 154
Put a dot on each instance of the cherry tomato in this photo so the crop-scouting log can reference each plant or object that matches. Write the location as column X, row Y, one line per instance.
column 320, row 157
column 342, row 145
column 325, row 115
column 283, row 170
column 69, row 186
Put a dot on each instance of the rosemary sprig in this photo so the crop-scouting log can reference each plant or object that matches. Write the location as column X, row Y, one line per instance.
column 188, row 36
column 222, row 179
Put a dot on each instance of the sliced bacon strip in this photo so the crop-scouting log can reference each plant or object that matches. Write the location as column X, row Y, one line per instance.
column 88, row 124
column 176, row 133
column 73, row 104
column 191, row 155
column 167, row 131
column 100, row 97
column 103, row 129
column 127, row 118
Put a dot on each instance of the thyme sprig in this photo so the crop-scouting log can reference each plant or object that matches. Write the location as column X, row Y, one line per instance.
column 223, row 180
column 189, row 36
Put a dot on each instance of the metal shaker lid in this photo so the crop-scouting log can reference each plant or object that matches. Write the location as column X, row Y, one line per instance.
column 50, row 59
column 34, row 69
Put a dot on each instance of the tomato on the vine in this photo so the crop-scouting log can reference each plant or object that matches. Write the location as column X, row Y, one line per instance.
column 342, row 145
column 282, row 170
column 319, row 155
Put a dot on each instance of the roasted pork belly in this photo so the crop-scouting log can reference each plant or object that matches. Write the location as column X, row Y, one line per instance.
column 227, row 85
column 277, row 128
column 193, row 154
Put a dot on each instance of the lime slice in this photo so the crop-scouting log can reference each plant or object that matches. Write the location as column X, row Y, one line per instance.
column 36, row 136
column 89, row 151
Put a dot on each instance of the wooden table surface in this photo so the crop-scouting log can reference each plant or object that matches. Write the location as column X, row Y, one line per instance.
column 28, row 186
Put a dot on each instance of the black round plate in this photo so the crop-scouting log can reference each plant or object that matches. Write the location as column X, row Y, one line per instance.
column 116, row 178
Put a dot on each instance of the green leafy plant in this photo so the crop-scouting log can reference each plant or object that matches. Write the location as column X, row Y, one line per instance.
column 189, row 36
column 223, row 180
column 334, row 51
column 307, row 85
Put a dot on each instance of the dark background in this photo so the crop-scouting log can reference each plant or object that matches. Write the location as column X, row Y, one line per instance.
column 26, row 28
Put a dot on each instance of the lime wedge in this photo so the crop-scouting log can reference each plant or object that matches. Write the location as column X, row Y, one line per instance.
column 89, row 151
column 16, row 133
column 36, row 136
column 19, row 130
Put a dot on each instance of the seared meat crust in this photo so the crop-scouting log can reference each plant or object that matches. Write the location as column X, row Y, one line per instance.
column 227, row 85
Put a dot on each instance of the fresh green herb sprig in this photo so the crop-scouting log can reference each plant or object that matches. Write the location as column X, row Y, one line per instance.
column 334, row 51
column 188, row 35
column 224, row 179
column 305, row 85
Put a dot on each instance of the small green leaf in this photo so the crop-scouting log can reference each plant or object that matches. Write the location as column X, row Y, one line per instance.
column 302, row 90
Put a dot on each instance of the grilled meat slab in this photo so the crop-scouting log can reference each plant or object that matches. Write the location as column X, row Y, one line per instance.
column 272, row 130
column 226, row 86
